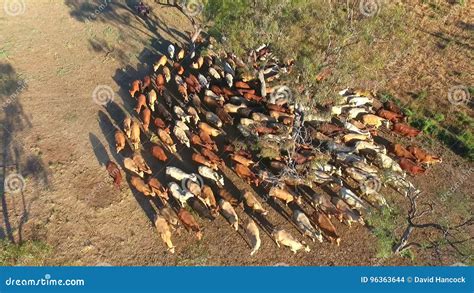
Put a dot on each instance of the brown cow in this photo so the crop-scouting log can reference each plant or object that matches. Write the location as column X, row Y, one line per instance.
column 330, row 129
column 246, row 174
column 200, row 159
column 278, row 108
column 146, row 85
column 217, row 90
column 207, row 140
column 209, row 130
column 160, row 83
column 141, row 103
column 146, row 117
column 260, row 129
column 277, row 115
column 405, row 130
column 242, row 85
column 159, row 123
column 228, row 197
column 411, row 167
column 196, row 140
column 158, row 153
column 252, row 97
column 401, row 152
column 326, row 226
column 392, row 107
column 190, row 222
column 136, row 85
column 158, row 188
column 423, row 157
column 211, row 156
column 183, row 92
column 211, row 103
column 300, row 159
column 115, row 173
column 178, row 68
column 141, row 186
column 242, row 160
column 224, row 116
column 207, row 195
column 389, row 115
column 119, row 141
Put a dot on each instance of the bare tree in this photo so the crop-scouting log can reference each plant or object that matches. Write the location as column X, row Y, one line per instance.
column 453, row 236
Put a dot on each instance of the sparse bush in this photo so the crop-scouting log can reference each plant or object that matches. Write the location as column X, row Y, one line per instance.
column 383, row 223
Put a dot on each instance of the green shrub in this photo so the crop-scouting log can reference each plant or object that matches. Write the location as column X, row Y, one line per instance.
column 382, row 224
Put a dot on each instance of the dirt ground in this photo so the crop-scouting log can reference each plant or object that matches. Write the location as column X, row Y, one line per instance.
column 59, row 139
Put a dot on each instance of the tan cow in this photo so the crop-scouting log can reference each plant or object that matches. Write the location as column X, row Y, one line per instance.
column 119, row 141
column 164, row 230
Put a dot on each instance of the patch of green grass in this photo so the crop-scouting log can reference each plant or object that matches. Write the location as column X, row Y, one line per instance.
column 61, row 71
column 5, row 50
column 30, row 253
column 111, row 36
column 408, row 254
column 422, row 95
column 196, row 254
column 456, row 134
column 382, row 224
column 70, row 117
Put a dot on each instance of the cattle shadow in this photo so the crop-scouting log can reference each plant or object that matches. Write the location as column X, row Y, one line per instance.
column 122, row 17
column 106, row 123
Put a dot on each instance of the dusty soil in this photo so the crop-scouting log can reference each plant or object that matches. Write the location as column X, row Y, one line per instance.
column 59, row 139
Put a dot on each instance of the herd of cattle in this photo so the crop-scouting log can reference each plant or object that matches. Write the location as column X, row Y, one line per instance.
column 202, row 102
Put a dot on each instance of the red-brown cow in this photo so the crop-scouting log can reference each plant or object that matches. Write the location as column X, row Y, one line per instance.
column 411, row 167
column 405, row 130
